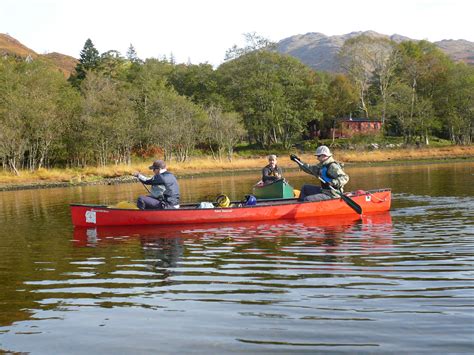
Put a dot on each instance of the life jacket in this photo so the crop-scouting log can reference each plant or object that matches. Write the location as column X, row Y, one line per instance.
column 323, row 172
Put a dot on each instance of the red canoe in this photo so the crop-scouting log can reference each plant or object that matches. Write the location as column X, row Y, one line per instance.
column 96, row 215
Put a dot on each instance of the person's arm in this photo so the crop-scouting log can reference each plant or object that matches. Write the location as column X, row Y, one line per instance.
column 142, row 178
column 340, row 177
column 309, row 169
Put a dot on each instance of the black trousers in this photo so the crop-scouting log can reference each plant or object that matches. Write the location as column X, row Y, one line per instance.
column 313, row 193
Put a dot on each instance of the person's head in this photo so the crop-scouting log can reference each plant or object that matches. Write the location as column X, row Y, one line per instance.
column 272, row 159
column 322, row 153
column 158, row 166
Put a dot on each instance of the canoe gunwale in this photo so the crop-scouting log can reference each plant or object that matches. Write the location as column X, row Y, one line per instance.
column 234, row 204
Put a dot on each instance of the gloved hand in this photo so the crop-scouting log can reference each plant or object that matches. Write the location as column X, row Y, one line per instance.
column 294, row 157
column 326, row 179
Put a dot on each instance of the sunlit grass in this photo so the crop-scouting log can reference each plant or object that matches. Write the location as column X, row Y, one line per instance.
column 201, row 165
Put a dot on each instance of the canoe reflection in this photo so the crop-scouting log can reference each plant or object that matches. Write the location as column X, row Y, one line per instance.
column 327, row 240
column 327, row 227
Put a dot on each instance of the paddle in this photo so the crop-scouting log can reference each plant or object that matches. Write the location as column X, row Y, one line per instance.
column 350, row 202
column 146, row 188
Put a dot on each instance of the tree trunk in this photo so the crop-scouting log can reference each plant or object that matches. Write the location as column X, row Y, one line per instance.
column 12, row 164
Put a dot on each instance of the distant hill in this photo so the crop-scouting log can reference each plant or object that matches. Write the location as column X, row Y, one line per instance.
column 316, row 50
column 9, row 46
column 458, row 50
column 65, row 63
column 320, row 51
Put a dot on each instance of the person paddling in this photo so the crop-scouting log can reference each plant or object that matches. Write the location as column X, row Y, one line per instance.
column 164, row 188
column 327, row 170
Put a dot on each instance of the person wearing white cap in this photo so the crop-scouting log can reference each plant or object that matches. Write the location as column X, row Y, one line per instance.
column 328, row 170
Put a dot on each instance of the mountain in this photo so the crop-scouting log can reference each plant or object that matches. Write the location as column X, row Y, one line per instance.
column 314, row 49
column 458, row 50
column 66, row 64
column 319, row 51
column 9, row 46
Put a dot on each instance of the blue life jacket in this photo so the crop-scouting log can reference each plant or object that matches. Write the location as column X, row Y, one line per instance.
column 324, row 173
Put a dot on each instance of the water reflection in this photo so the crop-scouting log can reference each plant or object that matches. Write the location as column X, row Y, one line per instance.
column 283, row 239
column 317, row 285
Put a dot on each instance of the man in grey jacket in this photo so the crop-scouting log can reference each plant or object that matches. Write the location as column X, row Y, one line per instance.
column 164, row 188
column 327, row 170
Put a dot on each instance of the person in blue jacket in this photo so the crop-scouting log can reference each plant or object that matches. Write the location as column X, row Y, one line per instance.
column 164, row 191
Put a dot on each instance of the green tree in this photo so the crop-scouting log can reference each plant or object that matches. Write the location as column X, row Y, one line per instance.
column 424, row 68
column 223, row 132
column 110, row 123
column 197, row 82
column 342, row 97
column 148, row 84
column 13, row 138
column 174, row 123
column 89, row 60
column 457, row 111
column 408, row 119
column 132, row 55
column 370, row 61
column 254, row 42
column 113, row 65
column 34, row 112
column 275, row 94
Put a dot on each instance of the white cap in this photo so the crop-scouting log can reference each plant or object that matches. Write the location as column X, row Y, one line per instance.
column 323, row 150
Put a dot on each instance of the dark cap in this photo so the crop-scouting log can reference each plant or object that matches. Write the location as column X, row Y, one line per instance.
column 158, row 164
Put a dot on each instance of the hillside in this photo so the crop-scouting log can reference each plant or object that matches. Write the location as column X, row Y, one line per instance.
column 65, row 63
column 458, row 50
column 316, row 50
column 320, row 51
column 9, row 46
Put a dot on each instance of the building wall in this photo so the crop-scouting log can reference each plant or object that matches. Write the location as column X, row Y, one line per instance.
column 350, row 128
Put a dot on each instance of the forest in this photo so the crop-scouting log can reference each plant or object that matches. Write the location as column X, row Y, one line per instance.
column 116, row 107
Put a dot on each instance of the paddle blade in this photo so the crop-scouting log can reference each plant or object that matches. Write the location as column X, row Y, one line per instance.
column 351, row 203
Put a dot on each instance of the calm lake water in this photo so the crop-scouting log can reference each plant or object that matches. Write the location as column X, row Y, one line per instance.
column 396, row 282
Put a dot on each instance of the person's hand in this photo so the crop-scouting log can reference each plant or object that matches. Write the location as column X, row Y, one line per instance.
column 294, row 157
column 136, row 173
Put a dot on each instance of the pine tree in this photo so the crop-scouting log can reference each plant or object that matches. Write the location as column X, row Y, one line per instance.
column 89, row 60
column 132, row 55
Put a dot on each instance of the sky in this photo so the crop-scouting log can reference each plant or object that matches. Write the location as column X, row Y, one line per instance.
column 199, row 31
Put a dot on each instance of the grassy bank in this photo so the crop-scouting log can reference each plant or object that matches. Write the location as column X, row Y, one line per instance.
column 204, row 165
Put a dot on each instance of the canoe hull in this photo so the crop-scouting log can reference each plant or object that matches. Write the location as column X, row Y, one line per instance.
column 94, row 215
column 277, row 189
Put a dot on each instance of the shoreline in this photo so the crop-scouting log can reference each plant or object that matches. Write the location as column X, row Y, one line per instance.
column 201, row 167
